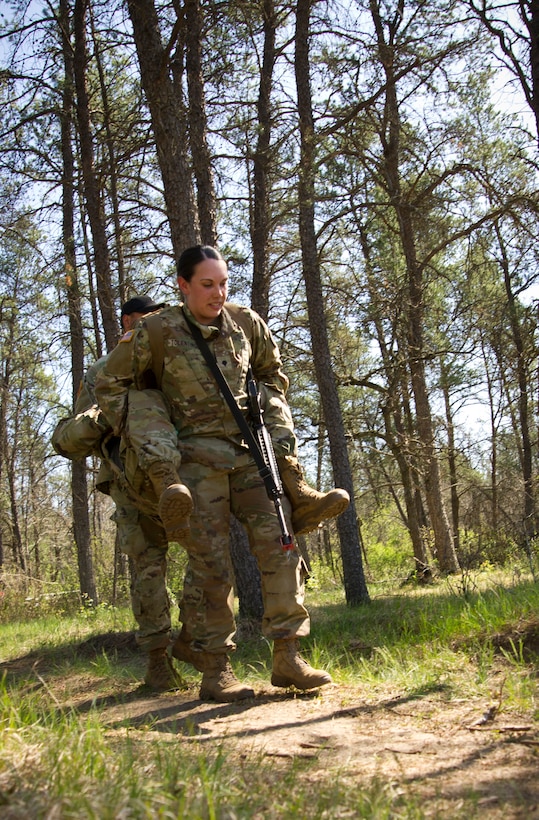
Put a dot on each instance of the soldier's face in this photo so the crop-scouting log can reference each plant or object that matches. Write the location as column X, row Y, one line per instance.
column 129, row 319
column 206, row 292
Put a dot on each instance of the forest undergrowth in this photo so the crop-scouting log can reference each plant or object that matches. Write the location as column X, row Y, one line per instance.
column 433, row 712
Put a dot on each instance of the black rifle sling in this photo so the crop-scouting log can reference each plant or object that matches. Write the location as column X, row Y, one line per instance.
column 246, row 431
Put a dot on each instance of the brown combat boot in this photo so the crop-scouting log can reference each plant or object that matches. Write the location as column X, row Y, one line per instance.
column 309, row 507
column 289, row 668
column 181, row 649
column 175, row 500
column 220, row 683
column 160, row 674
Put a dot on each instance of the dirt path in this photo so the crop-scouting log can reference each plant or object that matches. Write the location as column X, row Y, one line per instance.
column 428, row 746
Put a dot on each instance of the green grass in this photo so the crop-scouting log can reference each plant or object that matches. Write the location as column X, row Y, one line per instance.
column 60, row 761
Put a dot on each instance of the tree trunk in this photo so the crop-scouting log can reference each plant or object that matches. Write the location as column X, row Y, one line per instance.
column 402, row 456
column 112, row 169
column 248, row 585
column 19, row 557
column 81, row 519
column 198, row 129
column 451, row 458
column 526, row 72
column 443, row 539
column 167, row 111
column 92, row 193
column 247, row 579
column 4, row 398
column 390, row 137
column 354, row 579
column 260, row 211
column 532, row 22
column 81, row 532
column 523, row 429
column 393, row 409
column 493, row 418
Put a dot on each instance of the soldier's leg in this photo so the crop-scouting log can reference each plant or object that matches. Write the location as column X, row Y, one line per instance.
column 152, row 438
column 144, row 541
column 206, row 607
column 282, row 575
column 309, row 507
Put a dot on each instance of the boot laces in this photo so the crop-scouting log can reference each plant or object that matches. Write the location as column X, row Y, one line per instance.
column 227, row 677
column 296, row 659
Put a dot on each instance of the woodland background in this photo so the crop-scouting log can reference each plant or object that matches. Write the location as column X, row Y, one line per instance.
column 368, row 170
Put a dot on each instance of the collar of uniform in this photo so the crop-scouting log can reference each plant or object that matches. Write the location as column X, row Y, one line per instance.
column 228, row 325
column 209, row 332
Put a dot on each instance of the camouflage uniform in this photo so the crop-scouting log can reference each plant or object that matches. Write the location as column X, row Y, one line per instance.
column 198, row 434
column 141, row 535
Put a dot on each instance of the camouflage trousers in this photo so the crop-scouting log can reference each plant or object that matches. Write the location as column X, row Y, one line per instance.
column 223, row 479
column 206, row 606
column 143, row 539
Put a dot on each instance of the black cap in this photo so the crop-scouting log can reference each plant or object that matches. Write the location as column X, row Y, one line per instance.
column 140, row 304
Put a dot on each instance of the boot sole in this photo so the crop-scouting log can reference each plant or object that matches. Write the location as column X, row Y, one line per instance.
column 302, row 526
column 175, row 507
column 286, row 683
column 222, row 697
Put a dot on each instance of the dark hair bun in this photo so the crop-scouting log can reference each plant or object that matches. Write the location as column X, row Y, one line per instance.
column 191, row 257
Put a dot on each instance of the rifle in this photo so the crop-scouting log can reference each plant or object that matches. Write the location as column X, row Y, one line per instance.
column 269, row 472
column 258, row 440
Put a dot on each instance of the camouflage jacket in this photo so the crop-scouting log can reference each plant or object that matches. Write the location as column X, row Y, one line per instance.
column 87, row 432
column 198, row 410
column 81, row 434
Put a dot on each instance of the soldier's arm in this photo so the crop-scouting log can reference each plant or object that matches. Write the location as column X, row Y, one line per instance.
column 266, row 357
column 82, row 434
column 273, row 382
column 87, row 387
column 85, row 399
column 122, row 370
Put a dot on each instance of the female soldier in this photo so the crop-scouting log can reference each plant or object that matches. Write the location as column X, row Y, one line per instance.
column 199, row 439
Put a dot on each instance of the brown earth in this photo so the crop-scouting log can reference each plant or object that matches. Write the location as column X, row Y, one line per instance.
column 439, row 749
